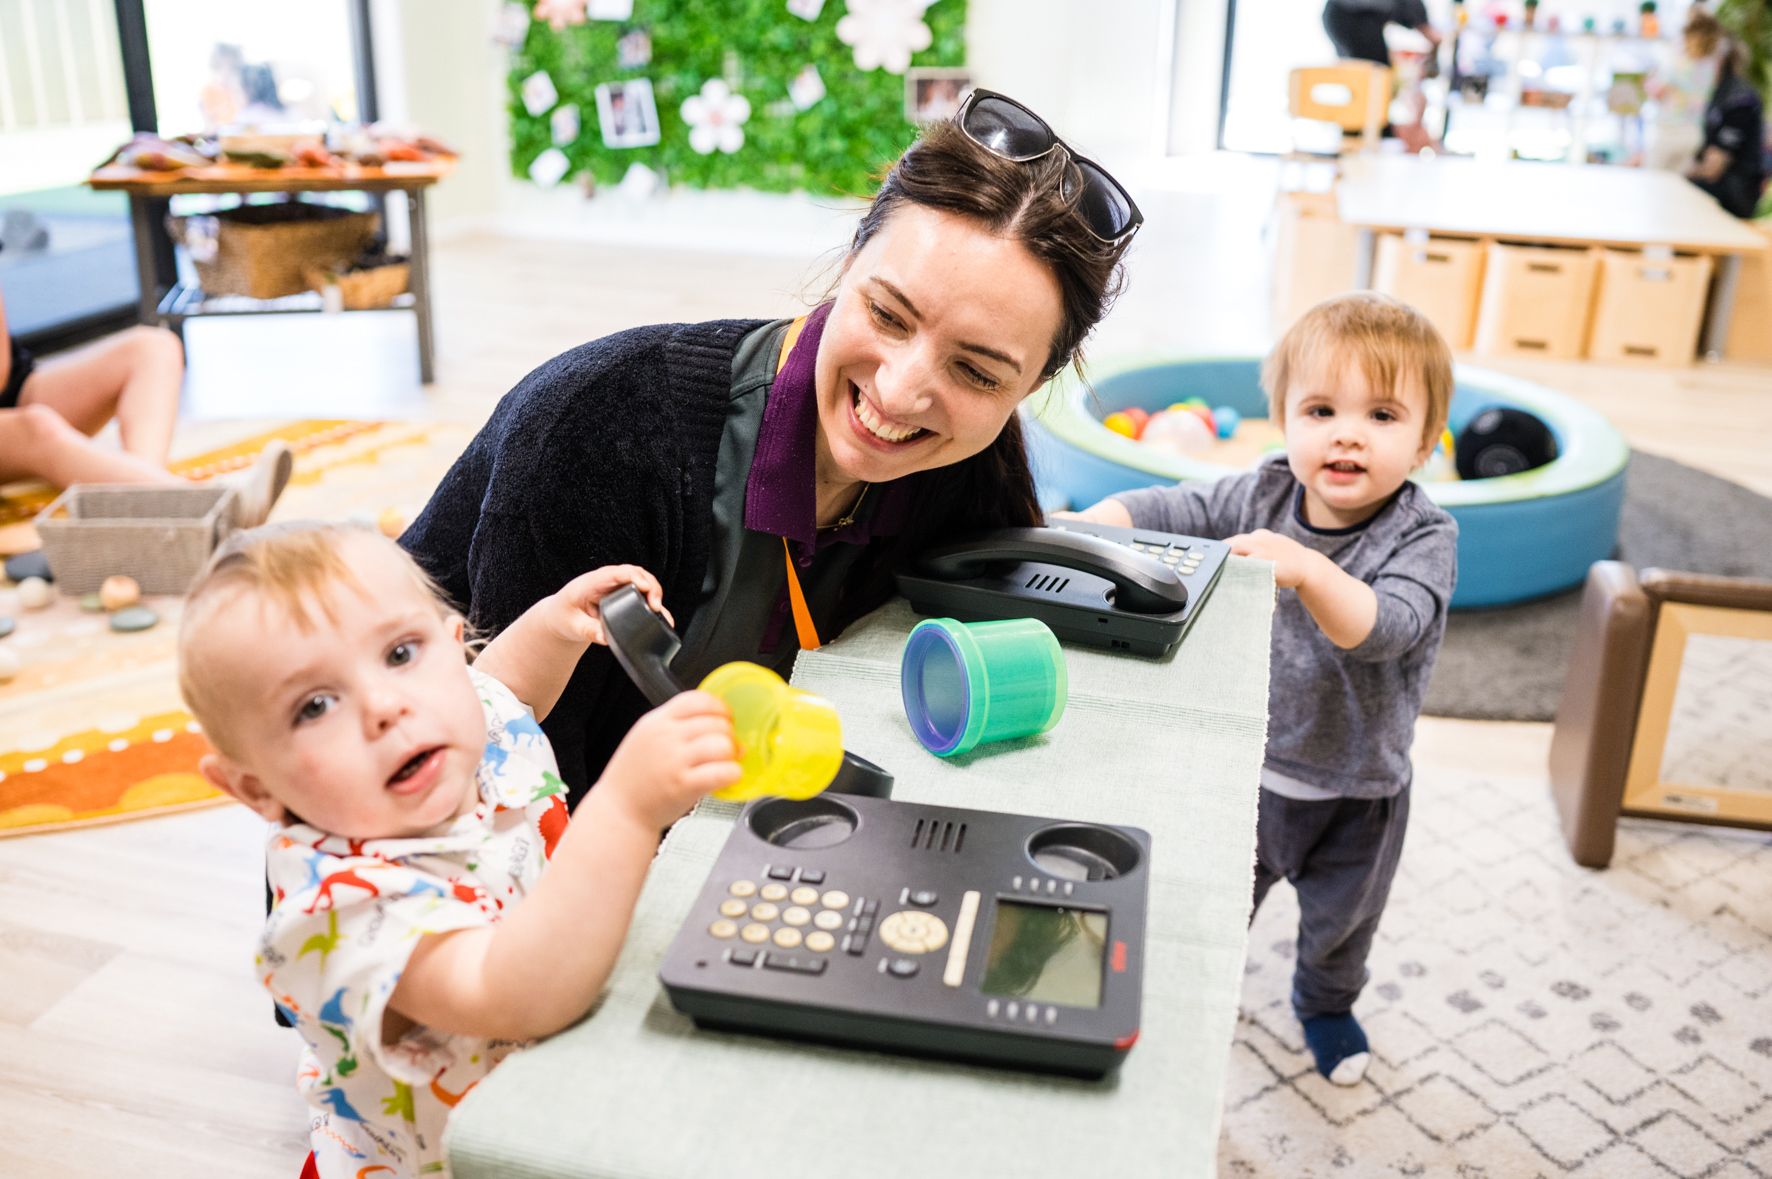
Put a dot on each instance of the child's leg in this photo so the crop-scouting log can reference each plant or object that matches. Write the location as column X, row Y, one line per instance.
column 1342, row 889
column 134, row 376
column 38, row 443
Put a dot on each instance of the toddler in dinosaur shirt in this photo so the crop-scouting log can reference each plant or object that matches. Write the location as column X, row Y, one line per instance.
column 434, row 908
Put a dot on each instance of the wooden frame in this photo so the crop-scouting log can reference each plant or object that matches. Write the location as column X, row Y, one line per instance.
column 1645, row 793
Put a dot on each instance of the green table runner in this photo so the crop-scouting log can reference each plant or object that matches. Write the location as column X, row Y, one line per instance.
column 636, row 1090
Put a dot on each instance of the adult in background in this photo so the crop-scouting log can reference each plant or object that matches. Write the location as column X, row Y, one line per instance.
column 1357, row 26
column 1729, row 165
column 752, row 466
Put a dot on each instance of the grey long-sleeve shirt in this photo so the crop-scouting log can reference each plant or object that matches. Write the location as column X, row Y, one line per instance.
column 1338, row 720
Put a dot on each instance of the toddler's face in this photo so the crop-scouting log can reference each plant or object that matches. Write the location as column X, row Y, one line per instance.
column 366, row 726
column 1351, row 445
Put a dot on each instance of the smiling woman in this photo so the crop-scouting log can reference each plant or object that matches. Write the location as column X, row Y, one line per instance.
column 733, row 458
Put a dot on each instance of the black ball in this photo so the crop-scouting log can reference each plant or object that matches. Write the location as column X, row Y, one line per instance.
column 1503, row 441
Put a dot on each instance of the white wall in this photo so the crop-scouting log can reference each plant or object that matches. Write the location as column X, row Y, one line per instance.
column 1095, row 69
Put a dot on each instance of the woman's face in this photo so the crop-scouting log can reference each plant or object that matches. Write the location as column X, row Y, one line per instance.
column 940, row 328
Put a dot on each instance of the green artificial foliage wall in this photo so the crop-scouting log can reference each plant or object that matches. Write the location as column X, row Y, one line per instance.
column 758, row 46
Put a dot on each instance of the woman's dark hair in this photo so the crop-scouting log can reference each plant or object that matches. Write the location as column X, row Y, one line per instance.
column 1034, row 203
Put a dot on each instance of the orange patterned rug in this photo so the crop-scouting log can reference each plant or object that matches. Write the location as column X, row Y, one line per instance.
column 91, row 728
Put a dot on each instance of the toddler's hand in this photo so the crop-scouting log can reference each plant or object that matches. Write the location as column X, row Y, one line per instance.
column 672, row 756
column 1293, row 562
column 1108, row 511
column 574, row 613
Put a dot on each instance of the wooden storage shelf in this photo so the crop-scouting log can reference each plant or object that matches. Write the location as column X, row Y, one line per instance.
column 1535, row 301
column 1439, row 277
column 1648, row 309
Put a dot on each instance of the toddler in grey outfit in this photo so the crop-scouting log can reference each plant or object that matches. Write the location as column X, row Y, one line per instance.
column 1365, row 563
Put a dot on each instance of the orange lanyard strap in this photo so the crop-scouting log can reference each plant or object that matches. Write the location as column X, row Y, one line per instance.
column 809, row 640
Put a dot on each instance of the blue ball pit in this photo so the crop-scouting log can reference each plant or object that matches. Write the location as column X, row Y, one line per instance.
column 1519, row 536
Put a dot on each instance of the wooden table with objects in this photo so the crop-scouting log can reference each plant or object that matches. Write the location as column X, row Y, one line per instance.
column 1549, row 204
column 1170, row 745
column 408, row 178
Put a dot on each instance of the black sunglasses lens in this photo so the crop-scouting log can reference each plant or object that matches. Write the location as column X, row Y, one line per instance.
column 1104, row 207
column 1006, row 129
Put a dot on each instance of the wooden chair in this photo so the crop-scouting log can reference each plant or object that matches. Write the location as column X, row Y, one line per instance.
column 1354, row 95
column 1613, row 725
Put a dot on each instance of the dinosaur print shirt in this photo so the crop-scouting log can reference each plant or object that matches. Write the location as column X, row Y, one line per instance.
column 348, row 914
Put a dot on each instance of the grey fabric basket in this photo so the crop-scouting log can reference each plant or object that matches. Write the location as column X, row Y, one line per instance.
column 161, row 536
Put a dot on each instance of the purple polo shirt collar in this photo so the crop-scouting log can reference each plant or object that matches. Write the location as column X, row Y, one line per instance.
column 781, row 494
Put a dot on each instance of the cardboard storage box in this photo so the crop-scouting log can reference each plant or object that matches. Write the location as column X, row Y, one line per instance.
column 1315, row 253
column 1535, row 301
column 1439, row 277
column 1649, row 308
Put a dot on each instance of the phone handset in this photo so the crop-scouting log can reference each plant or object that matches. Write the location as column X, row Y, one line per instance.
column 642, row 643
column 645, row 646
column 1142, row 585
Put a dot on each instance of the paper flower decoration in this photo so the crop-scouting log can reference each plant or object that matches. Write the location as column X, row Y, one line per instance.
column 716, row 117
column 885, row 32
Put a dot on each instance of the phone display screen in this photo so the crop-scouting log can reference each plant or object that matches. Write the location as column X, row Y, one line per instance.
column 1046, row 954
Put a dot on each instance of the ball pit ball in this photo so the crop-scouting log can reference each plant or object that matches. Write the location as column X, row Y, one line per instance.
column 9, row 664
column 33, row 593
column 1178, row 431
column 1121, row 424
column 119, row 591
column 1226, row 420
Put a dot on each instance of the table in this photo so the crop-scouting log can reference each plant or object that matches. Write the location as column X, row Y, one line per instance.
column 409, row 178
column 1173, row 746
column 1556, row 204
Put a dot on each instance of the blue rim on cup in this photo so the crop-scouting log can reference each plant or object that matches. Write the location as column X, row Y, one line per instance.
column 965, row 684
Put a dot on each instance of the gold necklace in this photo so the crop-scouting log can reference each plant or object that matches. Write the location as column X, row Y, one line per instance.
column 853, row 508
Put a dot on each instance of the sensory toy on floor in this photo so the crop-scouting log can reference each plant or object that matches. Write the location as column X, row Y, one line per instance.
column 1503, row 441
column 119, row 591
column 33, row 593
column 965, row 684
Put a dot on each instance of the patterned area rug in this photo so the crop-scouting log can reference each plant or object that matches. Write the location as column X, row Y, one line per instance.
column 1528, row 1018
column 91, row 728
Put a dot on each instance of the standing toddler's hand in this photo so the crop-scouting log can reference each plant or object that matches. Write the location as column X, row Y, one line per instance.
column 573, row 611
column 675, row 754
column 1293, row 563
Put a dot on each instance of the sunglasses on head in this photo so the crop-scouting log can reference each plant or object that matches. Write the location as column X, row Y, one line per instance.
column 1011, row 131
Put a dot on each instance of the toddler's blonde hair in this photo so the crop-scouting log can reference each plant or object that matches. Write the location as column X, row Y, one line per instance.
column 290, row 564
column 1390, row 342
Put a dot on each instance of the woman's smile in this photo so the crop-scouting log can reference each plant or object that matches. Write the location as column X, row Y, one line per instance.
column 875, row 426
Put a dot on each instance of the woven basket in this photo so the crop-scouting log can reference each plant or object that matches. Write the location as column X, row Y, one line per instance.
column 160, row 536
column 363, row 290
column 261, row 250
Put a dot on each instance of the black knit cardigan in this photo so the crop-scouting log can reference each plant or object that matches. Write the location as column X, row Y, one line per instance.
column 605, row 455
column 602, row 456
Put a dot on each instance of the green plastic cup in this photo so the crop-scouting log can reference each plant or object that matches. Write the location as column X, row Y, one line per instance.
column 967, row 683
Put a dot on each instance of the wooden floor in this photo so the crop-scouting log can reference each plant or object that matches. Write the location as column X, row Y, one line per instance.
column 135, row 1040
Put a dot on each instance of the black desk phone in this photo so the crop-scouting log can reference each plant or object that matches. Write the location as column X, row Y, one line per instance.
column 1005, row 939
column 645, row 646
column 1128, row 589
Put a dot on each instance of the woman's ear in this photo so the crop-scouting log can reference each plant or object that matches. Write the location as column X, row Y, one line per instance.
column 241, row 786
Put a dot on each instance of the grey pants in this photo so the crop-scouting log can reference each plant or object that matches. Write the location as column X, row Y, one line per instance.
column 1340, row 855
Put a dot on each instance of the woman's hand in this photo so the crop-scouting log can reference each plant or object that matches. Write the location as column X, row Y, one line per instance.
column 675, row 754
column 573, row 612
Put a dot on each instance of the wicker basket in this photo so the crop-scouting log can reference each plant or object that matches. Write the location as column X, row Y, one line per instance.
column 160, row 536
column 363, row 290
column 260, row 250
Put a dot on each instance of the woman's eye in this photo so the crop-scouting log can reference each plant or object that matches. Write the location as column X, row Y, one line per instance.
column 402, row 653
column 881, row 316
column 313, row 708
column 982, row 380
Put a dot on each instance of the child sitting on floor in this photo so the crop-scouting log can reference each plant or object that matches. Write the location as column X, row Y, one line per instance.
column 415, row 940
column 1361, row 385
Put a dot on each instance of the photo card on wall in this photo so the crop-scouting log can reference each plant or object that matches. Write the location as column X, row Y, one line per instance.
column 933, row 94
column 627, row 113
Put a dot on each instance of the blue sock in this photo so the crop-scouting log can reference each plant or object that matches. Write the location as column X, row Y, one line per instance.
column 1339, row 1045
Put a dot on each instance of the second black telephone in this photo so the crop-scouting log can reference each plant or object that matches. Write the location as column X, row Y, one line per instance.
column 1128, row 589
